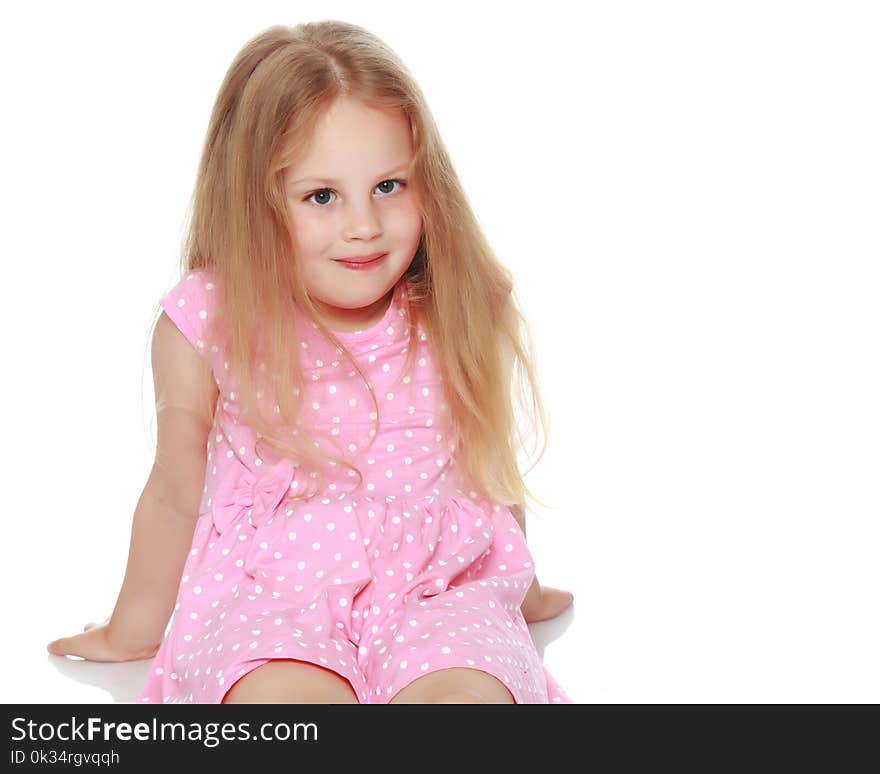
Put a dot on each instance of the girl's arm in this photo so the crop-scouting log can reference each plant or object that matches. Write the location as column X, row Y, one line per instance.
column 161, row 536
column 540, row 603
column 166, row 512
column 168, row 509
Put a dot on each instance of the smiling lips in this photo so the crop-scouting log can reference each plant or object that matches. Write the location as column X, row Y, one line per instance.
column 361, row 258
column 362, row 261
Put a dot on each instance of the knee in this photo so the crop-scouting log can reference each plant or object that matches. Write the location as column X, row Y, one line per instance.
column 455, row 686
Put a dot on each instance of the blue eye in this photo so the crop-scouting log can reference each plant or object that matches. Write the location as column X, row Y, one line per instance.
column 308, row 198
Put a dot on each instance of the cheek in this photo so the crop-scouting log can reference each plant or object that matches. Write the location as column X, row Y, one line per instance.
column 407, row 221
column 310, row 233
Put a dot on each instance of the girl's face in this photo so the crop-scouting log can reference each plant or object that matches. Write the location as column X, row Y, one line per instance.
column 351, row 197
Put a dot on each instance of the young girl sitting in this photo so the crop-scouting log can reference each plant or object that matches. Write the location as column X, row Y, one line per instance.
column 335, row 513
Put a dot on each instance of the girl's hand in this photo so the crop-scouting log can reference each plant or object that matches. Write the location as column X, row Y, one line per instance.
column 544, row 602
column 95, row 644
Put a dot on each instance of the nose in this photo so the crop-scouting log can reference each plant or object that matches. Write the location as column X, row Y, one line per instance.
column 362, row 223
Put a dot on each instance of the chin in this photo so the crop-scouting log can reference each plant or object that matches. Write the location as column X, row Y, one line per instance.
column 353, row 300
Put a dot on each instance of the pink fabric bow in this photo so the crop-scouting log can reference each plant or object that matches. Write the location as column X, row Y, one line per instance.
column 263, row 493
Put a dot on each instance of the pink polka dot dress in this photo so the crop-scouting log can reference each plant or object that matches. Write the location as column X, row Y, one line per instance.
column 409, row 573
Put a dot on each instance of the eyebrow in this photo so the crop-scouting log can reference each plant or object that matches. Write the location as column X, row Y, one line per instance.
column 330, row 181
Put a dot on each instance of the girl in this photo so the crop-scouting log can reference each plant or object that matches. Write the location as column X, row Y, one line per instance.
column 335, row 511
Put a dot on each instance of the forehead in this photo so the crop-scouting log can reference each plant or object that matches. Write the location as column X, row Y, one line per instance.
column 353, row 138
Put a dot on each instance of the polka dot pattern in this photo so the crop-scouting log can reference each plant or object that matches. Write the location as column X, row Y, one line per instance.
column 382, row 583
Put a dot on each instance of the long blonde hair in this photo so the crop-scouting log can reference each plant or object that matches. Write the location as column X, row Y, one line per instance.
column 276, row 90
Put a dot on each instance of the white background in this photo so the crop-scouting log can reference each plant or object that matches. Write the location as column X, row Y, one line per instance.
column 687, row 194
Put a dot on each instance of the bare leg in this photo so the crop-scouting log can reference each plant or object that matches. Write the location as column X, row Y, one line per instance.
column 287, row 681
column 456, row 685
